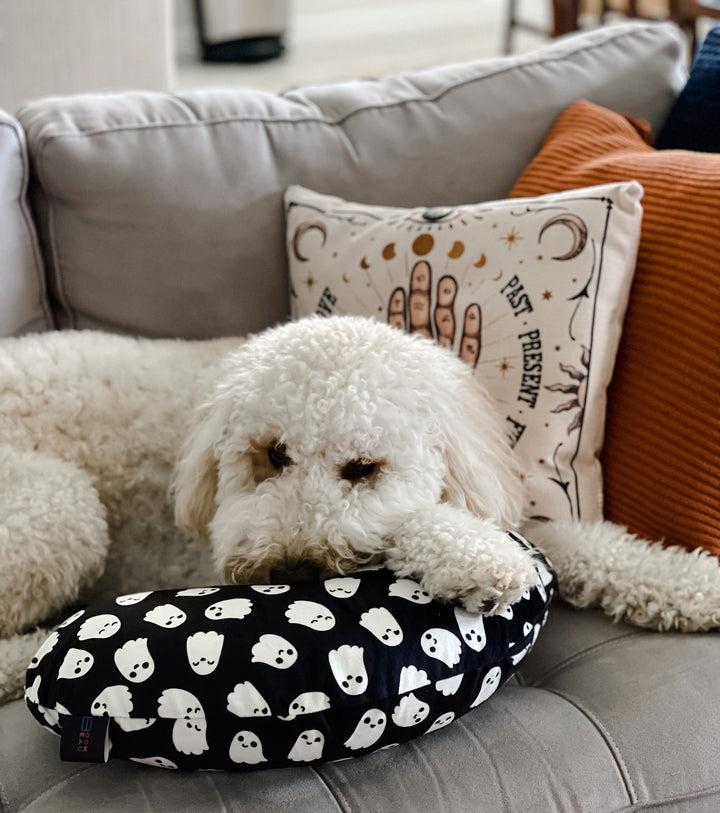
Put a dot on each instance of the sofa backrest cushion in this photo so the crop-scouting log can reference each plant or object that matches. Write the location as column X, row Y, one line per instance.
column 163, row 215
column 23, row 303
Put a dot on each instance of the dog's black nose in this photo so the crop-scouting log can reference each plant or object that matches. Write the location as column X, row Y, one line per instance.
column 302, row 572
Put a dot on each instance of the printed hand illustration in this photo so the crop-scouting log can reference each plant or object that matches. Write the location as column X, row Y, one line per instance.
column 412, row 311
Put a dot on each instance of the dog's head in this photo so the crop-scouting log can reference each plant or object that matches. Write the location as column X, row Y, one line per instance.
column 322, row 434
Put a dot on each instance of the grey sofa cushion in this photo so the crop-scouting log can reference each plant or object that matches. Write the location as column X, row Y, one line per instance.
column 162, row 214
column 23, row 302
column 604, row 718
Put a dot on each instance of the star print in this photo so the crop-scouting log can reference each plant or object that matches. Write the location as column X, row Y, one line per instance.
column 547, row 295
column 511, row 238
column 310, row 281
column 504, row 366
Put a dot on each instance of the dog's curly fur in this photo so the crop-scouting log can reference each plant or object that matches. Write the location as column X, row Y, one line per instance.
column 318, row 445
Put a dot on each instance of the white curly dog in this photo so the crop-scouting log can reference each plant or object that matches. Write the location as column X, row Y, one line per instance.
column 317, row 446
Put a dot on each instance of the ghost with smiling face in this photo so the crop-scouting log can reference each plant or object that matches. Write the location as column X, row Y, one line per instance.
column 203, row 651
column 134, row 661
column 348, row 668
column 99, row 626
column 47, row 646
column 368, row 731
column 342, row 586
column 246, row 748
column 131, row 598
column 308, row 746
column 310, row 614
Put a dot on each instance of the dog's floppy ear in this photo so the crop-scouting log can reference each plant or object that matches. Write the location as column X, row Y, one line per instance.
column 196, row 473
column 482, row 474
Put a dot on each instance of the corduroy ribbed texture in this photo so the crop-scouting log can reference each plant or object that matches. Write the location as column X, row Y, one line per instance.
column 661, row 457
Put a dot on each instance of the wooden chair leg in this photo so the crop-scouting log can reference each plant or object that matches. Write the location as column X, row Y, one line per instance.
column 565, row 16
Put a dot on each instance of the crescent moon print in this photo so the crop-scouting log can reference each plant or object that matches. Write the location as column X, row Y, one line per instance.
column 579, row 232
column 300, row 232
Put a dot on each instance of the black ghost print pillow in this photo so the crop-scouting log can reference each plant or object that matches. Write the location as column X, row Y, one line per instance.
column 273, row 675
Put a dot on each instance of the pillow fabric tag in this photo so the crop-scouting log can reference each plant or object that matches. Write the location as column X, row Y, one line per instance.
column 85, row 739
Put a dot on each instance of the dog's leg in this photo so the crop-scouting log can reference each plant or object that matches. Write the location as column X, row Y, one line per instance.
column 599, row 564
column 15, row 655
column 53, row 537
column 456, row 556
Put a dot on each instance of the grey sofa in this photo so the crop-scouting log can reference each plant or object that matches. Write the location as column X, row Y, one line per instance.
column 161, row 215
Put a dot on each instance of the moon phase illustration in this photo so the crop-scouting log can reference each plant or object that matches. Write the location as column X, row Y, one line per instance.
column 481, row 262
column 388, row 252
column 579, row 232
column 300, row 231
column 364, row 264
column 457, row 250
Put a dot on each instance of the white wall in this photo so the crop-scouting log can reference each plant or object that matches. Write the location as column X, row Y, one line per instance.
column 50, row 47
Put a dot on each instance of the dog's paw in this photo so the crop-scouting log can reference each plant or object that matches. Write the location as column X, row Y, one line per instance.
column 492, row 586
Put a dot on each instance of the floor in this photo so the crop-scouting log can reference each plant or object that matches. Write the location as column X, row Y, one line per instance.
column 333, row 40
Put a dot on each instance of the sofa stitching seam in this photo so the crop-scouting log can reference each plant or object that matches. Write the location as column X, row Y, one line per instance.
column 39, row 265
column 607, row 736
column 335, row 791
column 579, row 656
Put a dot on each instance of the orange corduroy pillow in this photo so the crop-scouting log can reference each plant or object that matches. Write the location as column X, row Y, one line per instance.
column 661, row 457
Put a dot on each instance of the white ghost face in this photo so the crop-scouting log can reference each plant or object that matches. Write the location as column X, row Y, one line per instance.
column 167, row 616
column 382, row 624
column 410, row 711
column 306, row 703
column 115, row 701
column 275, row 651
column 229, row 608
column 442, row 721
column 197, row 592
column 156, row 762
column 189, row 732
column 412, row 678
column 310, row 614
column 270, row 589
column 246, row 748
column 348, row 668
column 203, row 651
column 489, row 686
column 46, row 647
column 368, row 731
column 131, row 598
column 134, row 661
column 246, row 701
column 441, row 644
column 409, row 590
column 99, row 626
column 76, row 663
column 342, row 586
column 472, row 629
column 308, row 746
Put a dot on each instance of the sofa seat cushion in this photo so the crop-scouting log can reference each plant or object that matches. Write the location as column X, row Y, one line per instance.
column 602, row 718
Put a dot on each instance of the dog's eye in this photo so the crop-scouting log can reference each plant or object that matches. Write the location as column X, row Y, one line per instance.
column 356, row 470
column 278, row 456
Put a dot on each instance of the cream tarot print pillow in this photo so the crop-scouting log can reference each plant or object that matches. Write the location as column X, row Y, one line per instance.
column 531, row 292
